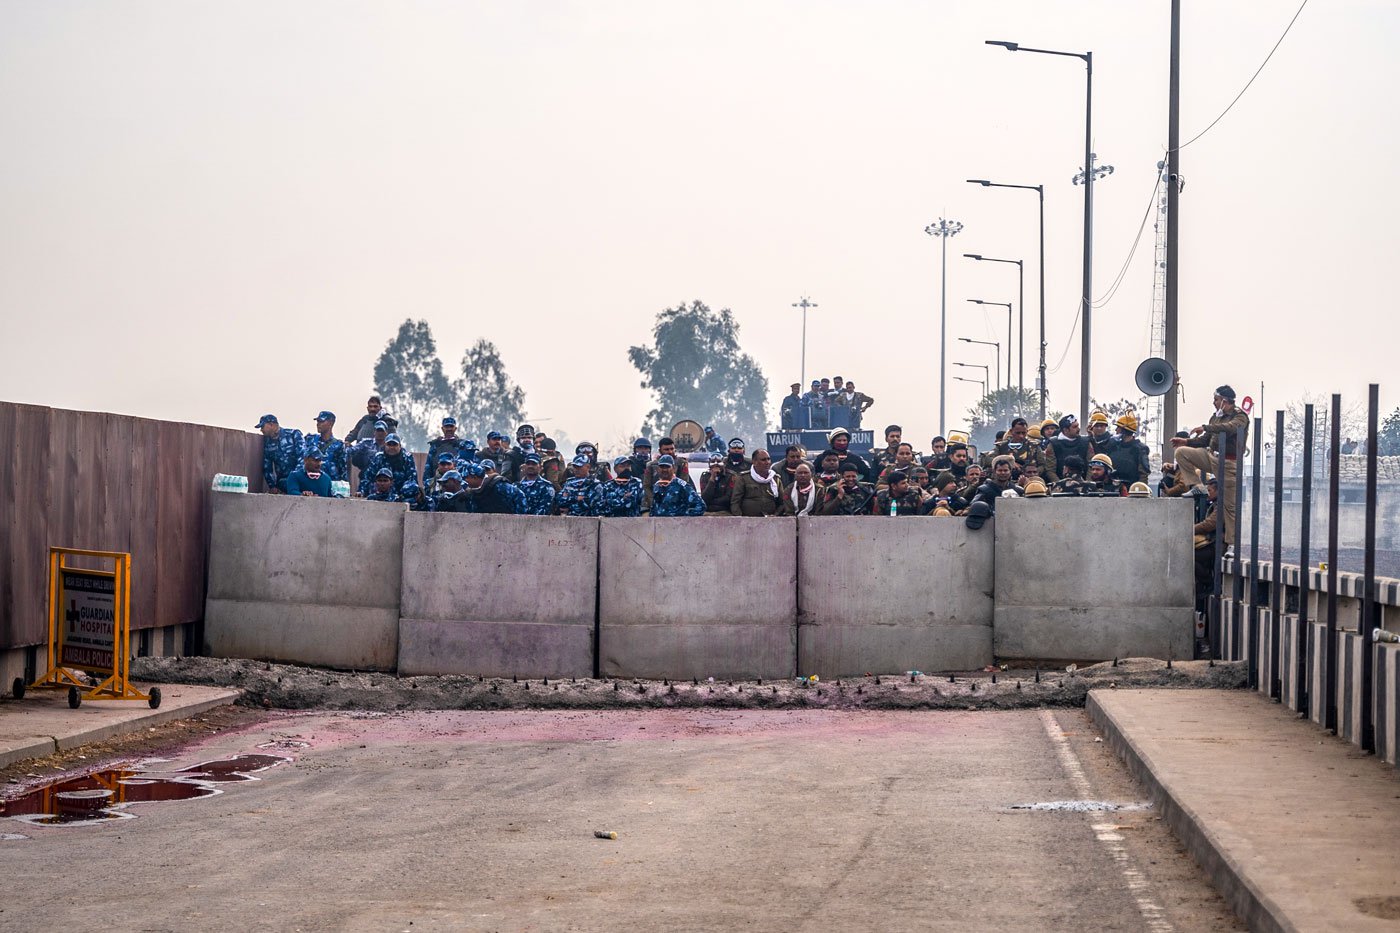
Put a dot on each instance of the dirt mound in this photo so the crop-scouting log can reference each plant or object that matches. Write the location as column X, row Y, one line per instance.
column 285, row 686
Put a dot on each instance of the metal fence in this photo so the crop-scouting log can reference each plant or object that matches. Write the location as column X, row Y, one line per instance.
column 113, row 483
column 1335, row 516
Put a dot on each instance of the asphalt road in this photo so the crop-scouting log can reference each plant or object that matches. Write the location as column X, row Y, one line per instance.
column 788, row 820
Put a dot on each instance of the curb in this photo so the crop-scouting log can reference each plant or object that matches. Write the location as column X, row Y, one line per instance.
column 1253, row 906
column 48, row 745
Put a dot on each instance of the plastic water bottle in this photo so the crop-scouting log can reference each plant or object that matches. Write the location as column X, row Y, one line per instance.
column 340, row 488
column 223, row 482
column 894, row 507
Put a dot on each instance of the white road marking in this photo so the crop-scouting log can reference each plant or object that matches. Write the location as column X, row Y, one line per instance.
column 1152, row 913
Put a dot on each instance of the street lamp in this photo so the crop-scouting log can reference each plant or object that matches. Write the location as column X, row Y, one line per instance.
column 1020, row 303
column 943, row 229
column 986, row 371
column 1086, row 288
column 988, row 343
column 1040, row 193
column 1007, row 306
column 804, row 304
column 976, row 382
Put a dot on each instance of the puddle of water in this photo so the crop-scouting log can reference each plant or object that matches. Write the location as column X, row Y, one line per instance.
column 104, row 795
column 1079, row 806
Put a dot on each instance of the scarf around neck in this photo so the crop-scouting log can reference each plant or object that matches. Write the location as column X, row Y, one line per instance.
column 771, row 480
column 797, row 499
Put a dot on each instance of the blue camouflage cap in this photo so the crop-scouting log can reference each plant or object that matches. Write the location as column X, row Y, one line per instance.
column 450, row 474
column 449, row 420
column 709, row 429
column 326, row 416
column 666, row 460
column 532, row 458
column 475, row 469
column 494, row 436
column 268, row 419
column 312, row 453
column 469, row 444
column 393, row 439
column 381, row 426
column 486, row 463
column 446, row 458
column 409, row 488
column 580, row 461
column 384, row 471
column 621, row 461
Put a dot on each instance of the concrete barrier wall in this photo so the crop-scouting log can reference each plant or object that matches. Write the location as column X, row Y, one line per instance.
column 711, row 597
column 892, row 595
column 498, row 595
column 1093, row 579
column 308, row 580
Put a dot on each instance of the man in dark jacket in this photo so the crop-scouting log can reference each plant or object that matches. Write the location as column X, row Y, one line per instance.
column 449, row 496
column 1069, row 443
column 374, row 411
column 790, row 411
column 1131, row 459
column 492, row 494
column 757, row 490
column 716, row 486
column 840, row 441
column 849, row 496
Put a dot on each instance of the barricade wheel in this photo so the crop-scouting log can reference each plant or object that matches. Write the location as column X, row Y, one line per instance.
column 155, row 698
column 75, row 699
column 17, row 688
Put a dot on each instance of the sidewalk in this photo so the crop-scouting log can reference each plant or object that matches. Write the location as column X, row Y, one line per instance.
column 1297, row 829
column 42, row 723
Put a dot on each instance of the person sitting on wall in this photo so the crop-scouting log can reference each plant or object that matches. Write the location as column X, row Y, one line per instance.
column 382, row 489
column 309, row 479
column 492, row 495
column 539, row 493
column 333, row 453
column 716, row 486
column 374, row 413
column 672, row 496
column 757, row 491
column 449, row 496
column 282, row 449
column 803, row 495
column 848, row 496
column 579, row 494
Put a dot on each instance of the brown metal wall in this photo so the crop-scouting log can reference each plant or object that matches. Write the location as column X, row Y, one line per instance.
column 110, row 483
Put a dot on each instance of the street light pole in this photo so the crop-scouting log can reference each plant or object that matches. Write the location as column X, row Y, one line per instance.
column 976, row 382
column 989, row 343
column 1086, row 289
column 986, row 370
column 1020, row 303
column 804, row 304
column 1007, row 306
column 943, row 229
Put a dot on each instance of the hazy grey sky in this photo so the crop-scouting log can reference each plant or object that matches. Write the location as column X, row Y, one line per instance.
column 212, row 210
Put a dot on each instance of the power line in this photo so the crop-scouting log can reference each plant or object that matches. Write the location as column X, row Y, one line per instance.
column 1250, row 82
column 1079, row 305
column 1113, row 289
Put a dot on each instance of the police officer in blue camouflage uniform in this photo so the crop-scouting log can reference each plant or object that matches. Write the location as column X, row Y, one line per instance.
column 434, row 472
column 282, row 448
column 332, row 449
column 672, row 496
column 579, row 494
column 382, row 489
column 538, row 492
column 492, row 494
column 713, row 442
column 363, row 451
column 621, row 497
column 449, row 497
column 400, row 464
column 448, row 442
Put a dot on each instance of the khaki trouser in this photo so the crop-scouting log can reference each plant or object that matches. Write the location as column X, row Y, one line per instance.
column 1191, row 462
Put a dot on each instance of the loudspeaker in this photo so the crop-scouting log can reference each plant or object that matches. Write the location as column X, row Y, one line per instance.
column 1155, row 376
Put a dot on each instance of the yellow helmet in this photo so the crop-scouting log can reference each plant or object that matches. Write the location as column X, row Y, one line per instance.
column 1102, row 459
column 1139, row 491
column 957, row 437
column 1033, row 432
column 1128, row 422
column 1034, row 489
column 1049, row 423
column 942, row 510
column 1098, row 417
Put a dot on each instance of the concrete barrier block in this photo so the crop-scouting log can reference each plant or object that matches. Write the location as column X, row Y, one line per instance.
column 862, row 609
column 315, row 581
column 1386, row 717
column 498, row 595
column 1093, row 579
column 681, row 597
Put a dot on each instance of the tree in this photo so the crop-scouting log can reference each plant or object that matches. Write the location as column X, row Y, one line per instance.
column 695, row 369
column 1294, row 418
column 1388, row 438
column 408, row 378
column 1114, row 410
column 994, row 411
column 487, row 398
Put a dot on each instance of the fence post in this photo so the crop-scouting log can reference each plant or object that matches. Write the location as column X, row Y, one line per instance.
column 1213, row 605
column 1276, row 590
column 1368, row 601
column 1333, row 508
column 1300, row 641
column 1237, row 625
column 1252, row 650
